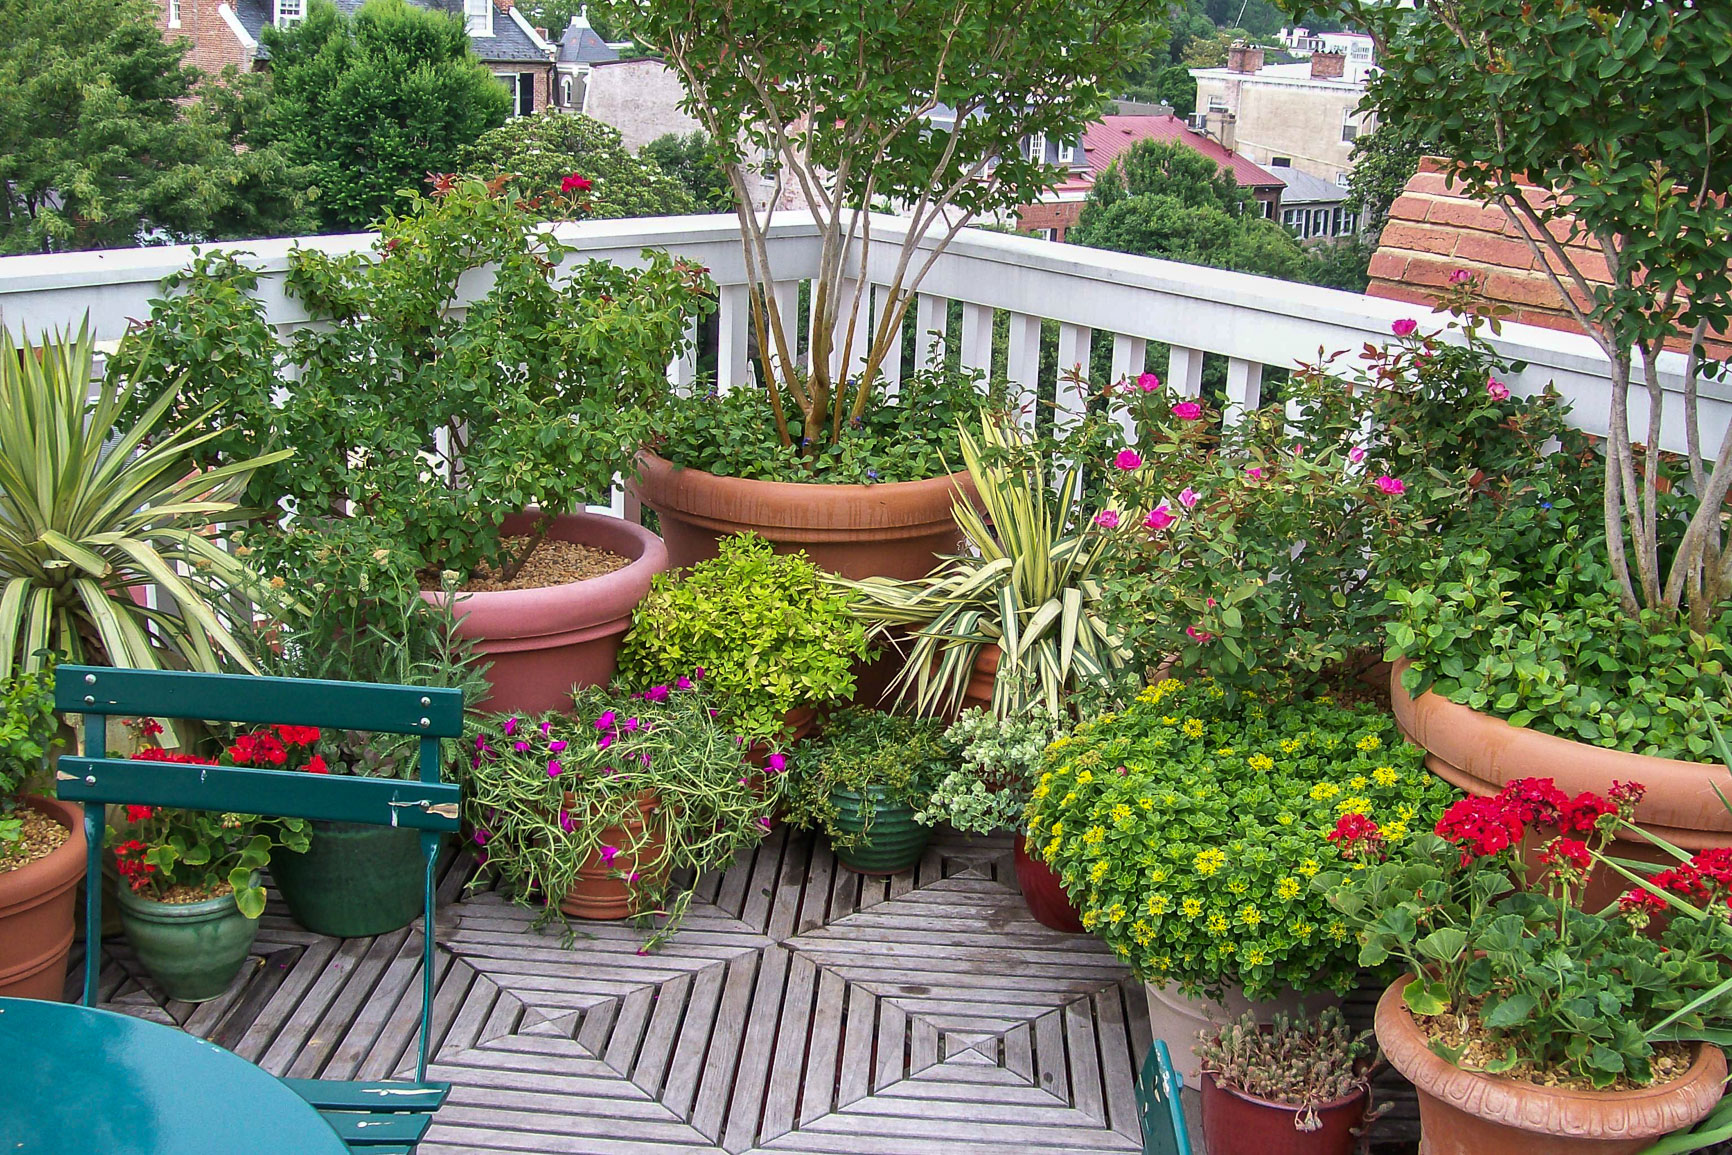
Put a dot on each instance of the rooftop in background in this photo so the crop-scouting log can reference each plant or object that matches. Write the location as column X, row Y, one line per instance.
column 1110, row 136
column 581, row 44
column 1305, row 189
column 513, row 40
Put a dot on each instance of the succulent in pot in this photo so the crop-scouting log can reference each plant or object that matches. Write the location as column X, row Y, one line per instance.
column 595, row 811
column 1290, row 1086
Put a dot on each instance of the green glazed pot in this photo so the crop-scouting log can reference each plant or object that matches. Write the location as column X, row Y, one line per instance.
column 193, row 949
column 354, row 879
column 895, row 842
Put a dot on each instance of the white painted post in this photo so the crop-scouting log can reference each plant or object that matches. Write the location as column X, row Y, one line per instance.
column 787, row 296
column 930, row 317
column 1129, row 354
column 1075, row 344
column 1185, row 370
column 976, row 336
column 683, row 369
column 1023, row 365
column 890, row 372
column 733, row 366
column 1244, row 389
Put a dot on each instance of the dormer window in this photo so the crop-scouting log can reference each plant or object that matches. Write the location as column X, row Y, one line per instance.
column 1037, row 148
column 288, row 12
column 477, row 16
column 1066, row 153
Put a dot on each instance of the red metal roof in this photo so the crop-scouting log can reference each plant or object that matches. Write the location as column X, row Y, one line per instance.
column 1111, row 135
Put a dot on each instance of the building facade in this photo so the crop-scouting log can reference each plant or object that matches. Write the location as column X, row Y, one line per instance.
column 1305, row 116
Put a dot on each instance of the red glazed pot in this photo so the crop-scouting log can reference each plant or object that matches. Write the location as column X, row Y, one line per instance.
column 544, row 642
column 1045, row 896
column 1472, row 1113
column 36, row 911
column 1235, row 1123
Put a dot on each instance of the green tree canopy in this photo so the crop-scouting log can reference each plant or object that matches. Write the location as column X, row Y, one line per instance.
column 542, row 150
column 1384, row 160
column 374, row 102
column 106, row 136
column 693, row 161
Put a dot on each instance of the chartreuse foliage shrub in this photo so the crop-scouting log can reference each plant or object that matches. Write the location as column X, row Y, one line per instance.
column 765, row 631
column 1187, row 829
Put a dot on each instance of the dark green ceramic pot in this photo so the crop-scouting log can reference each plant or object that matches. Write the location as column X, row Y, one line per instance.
column 894, row 842
column 194, row 949
column 354, row 879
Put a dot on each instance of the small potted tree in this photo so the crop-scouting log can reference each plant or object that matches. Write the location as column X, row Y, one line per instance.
column 862, row 784
column 800, row 101
column 42, row 846
column 590, row 814
column 1291, row 1086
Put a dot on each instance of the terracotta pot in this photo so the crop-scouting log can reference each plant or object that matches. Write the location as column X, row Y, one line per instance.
column 1472, row 1113
column 1044, row 893
column 37, row 910
column 895, row 530
column 1235, row 1123
column 1177, row 1019
column 544, row 642
column 1481, row 754
column 800, row 723
column 602, row 890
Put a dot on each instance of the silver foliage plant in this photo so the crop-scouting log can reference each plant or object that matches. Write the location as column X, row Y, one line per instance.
column 1000, row 761
column 1297, row 1061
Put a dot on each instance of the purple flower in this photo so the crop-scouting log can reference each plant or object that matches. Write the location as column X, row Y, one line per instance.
column 520, row 747
column 683, row 682
column 630, row 724
column 657, row 694
column 634, row 876
column 553, row 768
column 644, row 758
column 766, row 823
column 1356, row 454
column 544, row 728
column 608, row 854
column 1188, row 497
column 565, row 822
column 605, row 722
column 604, row 741
column 745, row 782
column 777, row 762
column 481, row 741
column 1128, row 459
column 482, row 835
column 556, row 745
column 1107, row 519
column 510, row 726
column 1404, row 327
column 697, row 674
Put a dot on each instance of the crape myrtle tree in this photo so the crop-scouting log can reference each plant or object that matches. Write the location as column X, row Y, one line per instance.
column 918, row 104
column 1606, row 124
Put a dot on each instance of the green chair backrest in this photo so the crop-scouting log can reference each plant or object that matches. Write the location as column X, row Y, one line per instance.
column 1158, row 1107
column 427, row 805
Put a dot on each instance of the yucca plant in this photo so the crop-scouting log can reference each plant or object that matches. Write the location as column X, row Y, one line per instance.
column 89, row 510
column 1028, row 587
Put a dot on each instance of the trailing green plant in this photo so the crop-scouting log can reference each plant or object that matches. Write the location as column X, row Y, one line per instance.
column 29, row 730
column 1187, row 829
column 102, row 494
column 1300, row 1062
column 434, row 421
column 891, row 758
column 762, row 629
column 545, row 795
column 1509, row 975
column 910, row 438
column 1000, row 760
column 1029, row 585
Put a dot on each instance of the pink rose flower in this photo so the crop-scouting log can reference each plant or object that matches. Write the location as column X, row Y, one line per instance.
column 1201, row 637
column 1188, row 497
column 1188, row 411
column 1160, row 517
column 1128, row 459
column 1404, row 327
column 1356, row 454
column 1391, row 485
column 1496, row 389
column 1255, row 473
column 1148, row 382
column 1460, row 277
column 1107, row 519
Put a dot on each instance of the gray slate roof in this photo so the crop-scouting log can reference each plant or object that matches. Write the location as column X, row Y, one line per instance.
column 1305, row 189
column 580, row 44
column 509, row 44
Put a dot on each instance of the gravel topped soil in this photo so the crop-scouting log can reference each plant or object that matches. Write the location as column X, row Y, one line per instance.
column 182, row 894
column 554, row 563
column 41, row 837
column 1670, row 1061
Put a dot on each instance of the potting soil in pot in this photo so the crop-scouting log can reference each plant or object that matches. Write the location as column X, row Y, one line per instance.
column 40, row 837
column 554, row 562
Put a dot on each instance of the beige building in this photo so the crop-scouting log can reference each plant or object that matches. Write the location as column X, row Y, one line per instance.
column 1303, row 116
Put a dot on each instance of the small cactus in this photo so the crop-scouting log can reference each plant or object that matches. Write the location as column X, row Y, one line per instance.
column 1297, row 1062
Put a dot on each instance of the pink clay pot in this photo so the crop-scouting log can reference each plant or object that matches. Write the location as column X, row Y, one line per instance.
column 543, row 643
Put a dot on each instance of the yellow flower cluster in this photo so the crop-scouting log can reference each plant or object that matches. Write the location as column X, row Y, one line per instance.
column 1193, row 727
column 1261, row 763
column 1386, row 776
column 1369, row 743
column 1324, row 791
column 1209, row 861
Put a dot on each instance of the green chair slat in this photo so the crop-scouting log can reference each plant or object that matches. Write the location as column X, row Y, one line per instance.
column 387, row 1149
column 363, row 1130
column 381, row 1098
column 244, row 790
column 259, row 700
column 1158, row 1107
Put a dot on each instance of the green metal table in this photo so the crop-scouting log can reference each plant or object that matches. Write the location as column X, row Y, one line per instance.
column 78, row 1081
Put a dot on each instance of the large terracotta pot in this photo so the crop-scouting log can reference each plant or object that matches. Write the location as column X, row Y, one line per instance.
column 1472, row 1113
column 1235, row 1123
column 603, row 889
column 1044, row 893
column 544, row 642
column 1481, row 754
column 1177, row 1018
column 895, row 530
column 36, row 911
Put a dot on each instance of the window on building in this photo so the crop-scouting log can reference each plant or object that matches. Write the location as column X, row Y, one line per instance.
column 1349, row 127
column 287, row 12
column 477, row 17
column 1344, row 179
column 1268, row 209
column 1349, row 223
column 1281, row 162
column 521, row 86
column 1051, row 234
column 1066, row 153
column 1037, row 147
column 1294, row 221
column 174, row 13
column 565, row 92
column 1217, row 104
column 1319, row 222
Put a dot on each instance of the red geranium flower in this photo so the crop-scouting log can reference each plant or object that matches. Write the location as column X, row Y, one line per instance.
column 1480, row 827
column 316, row 765
column 1583, row 813
column 1565, row 852
column 1535, row 801
column 575, row 183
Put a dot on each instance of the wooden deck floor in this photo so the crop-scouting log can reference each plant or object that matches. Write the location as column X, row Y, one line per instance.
column 801, row 1008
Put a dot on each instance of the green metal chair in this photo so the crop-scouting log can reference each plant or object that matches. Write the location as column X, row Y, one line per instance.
column 385, row 1118
column 1158, row 1108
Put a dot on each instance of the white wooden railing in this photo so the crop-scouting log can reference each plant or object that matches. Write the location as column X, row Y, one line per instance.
column 1094, row 296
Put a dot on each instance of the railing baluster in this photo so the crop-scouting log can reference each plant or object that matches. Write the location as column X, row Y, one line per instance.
column 1075, row 345
column 1023, row 365
column 683, row 369
column 976, row 336
column 787, row 296
column 890, row 371
column 733, row 365
column 930, row 315
column 1129, row 355
column 1185, row 370
column 1244, row 388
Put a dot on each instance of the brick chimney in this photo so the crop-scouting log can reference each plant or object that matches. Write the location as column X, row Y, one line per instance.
column 503, row 5
column 1242, row 57
column 1328, row 65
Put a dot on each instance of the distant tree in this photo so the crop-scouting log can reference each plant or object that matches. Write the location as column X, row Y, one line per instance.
column 1384, row 160
column 692, row 161
column 1176, row 86
column 374, row 102
column 1161, row 199
column 1257, row 17
column 1340, row 264
column 546, row 148
column 555, row 16
column 106, row 138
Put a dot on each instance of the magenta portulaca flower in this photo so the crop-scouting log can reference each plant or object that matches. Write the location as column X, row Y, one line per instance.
column 777, row 762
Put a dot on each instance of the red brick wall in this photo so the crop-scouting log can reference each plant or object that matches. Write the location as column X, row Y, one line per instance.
column 214, row 44
column 1037, row 218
